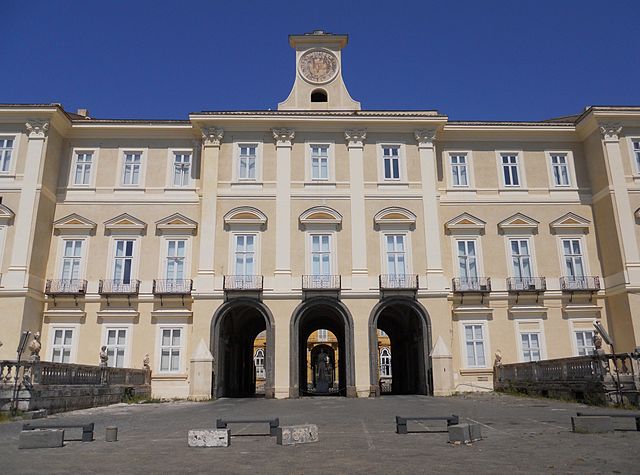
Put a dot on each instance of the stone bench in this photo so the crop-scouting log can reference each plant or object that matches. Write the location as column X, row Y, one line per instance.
column 299, row 434
column 634, row 415
column 41, row 438
column 273, row 424
column 87, row 429
column 401, row 421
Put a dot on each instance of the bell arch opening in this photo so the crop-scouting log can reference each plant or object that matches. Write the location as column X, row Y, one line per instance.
column 400, row 342
column 322, row 368
column 319, row 95
column 242, row 345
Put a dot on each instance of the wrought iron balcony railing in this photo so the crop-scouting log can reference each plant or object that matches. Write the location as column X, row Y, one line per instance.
column 242, row 282
column 65, row 287
column 172, row 286
column 398, row 281
column 526, row 284
column 585, row 283
column 118, row 287
column 321, row 282
column 472, row 284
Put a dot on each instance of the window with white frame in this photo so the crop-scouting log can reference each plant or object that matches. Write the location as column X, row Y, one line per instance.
column 181, row 169
column 560, row 169
column 521, row 259
column 258, row 361
column 584, row 342
column 123, row 261
column 391, row 162
column 510, row 169
column 530, row 342
column 459, row 169
column 320, row 254
column 247, row 161
column 6, row 153
column 62, row 345
column 385, row 362
column 636, row 152
column 396, row 254
column 116, row 343
column 245, row 254
column 319, row 162
column 176, row 259
column 475, row 345
column 71, row 259
column 84, row 164
column 323, row 334
column 573, row 259
column 467, row 261
column 170, row 348
column 132, row 164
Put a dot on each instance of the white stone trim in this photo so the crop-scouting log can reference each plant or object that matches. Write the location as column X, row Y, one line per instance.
column 485, row 339
column 144, row 158
column 95, row 151
column 522, row 186
column 128, row 327
column 235, row 169
column 541, row 340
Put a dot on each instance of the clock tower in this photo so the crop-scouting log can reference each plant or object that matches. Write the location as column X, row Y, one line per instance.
column 318, row 84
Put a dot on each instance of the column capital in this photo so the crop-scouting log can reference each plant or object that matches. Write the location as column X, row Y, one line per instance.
column 425, row 137
column 212, row 136
column 37, row 128
column 283, row 137
column 355, row 138
column 610, row 132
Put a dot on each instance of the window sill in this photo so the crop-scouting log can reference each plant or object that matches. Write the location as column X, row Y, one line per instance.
column 177, row 376
column 475, row 371
column 320, row 184
column 135, row 188
column 247, row 184
column 393, row 184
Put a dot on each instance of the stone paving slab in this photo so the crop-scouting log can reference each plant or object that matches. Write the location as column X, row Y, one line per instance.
column 520, row 435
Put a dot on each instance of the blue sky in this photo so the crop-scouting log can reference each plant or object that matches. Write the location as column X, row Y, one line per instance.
column 488, row 60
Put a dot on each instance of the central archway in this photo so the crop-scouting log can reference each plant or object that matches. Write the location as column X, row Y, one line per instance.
column 311, row 315
column 234, row 328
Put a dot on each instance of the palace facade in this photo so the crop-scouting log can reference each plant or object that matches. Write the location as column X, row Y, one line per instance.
column 231, row 246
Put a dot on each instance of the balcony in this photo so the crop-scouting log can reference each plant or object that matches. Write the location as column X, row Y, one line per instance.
column 241, row 283
column 584, row 283
column 65, row 287
column 398, row 282
column 172, row 287
column 478, row 285
column 321, row 282
column 526, row 285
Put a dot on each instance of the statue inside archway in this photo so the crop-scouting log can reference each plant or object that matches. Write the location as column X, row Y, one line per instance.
column 323, row 372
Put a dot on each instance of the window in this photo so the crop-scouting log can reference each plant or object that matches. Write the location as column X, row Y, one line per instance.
column 510, row 170
column 396, row 254
column 320, row 255
column 636, row 152
column 323, row 335
column 584, row 342
column 6, row 151
column 573, row 261
column 521, row 259
column 385, row 362
column 560, row 170
column 62, row 344
column 258, row 360
column 459, row 169
column 319, row 162
column 170, row 349
column 84, row 162
column 530, row 346
column 131, row 169
column 391, row 162
column 467, row 261
column 116, row 346
column 474, row 344
column 247, row 162
column 175, row 265
column 123, row 265
column 245, row 254
column 71, row 259
column 181, row 169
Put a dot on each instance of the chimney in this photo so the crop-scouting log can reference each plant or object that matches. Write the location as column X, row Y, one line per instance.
column 83, row 112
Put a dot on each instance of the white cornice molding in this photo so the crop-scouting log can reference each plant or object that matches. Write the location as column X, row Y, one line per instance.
column 37, row 128
column 320, row 216
column 570, row 222
column 465, row 223
column 125, row 223
column 74, row 222
column 6, row 215
column 283, row 137
column 176, row 223
column 395, row 216
column 518, row 222
column 244, row 216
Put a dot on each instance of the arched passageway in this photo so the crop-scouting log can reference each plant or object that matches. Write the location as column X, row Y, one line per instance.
column 406, row 325
column 317, row 314
column 234, row 329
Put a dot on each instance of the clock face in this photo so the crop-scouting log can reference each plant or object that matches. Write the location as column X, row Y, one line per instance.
column 318, row 66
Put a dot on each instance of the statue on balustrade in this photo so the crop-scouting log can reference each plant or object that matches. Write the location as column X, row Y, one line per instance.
column 104, row 357
column 34, row 347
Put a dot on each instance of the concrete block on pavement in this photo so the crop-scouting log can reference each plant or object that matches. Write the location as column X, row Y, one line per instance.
column 209, row 438
column 464, row 433
column 592, row 424
column 41, row 438
column 300, row 434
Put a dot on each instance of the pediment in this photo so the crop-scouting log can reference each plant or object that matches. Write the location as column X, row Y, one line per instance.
column 74, row 221
column 570, row 222
column 395, row 216
column 6, row 214
column 245, row 216
column 320, row 216
column 465, row 223
column 518, row 222
column 178, row 223
column 125, row 223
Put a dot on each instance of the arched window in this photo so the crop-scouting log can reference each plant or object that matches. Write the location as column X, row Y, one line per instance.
column 319, row 95
column 385, row 362
column 258, row 360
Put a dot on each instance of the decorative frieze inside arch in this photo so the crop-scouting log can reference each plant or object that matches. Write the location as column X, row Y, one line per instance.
column 74, row 223
column 125, row 224
column 395, row 217
column 465, row 223
column 570, row 222
column 320, row 217
column 518, row 223
column 6, row 215
column 245, row 217
column 176, row 223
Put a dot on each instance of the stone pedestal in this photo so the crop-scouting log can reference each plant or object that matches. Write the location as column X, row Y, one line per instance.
column 592, row 424
column 442, row 363
column 41, row 439
column 464, row 433
column 209, row 438
column 200, row 368
column 300, row 434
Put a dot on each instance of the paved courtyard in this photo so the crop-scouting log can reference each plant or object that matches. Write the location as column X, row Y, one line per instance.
column 521, row 435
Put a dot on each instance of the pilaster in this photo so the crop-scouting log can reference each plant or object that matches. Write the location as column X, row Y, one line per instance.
column 359, row 271
column 283, row 140
column 431, row 219
column 209, row 162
